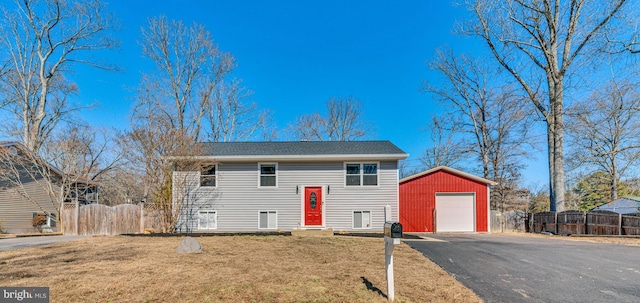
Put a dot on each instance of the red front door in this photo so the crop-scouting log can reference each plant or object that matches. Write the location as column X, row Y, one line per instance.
column 313, row 206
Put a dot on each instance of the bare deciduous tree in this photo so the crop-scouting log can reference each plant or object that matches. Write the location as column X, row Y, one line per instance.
column 149, row 140
column 231, row 119
column 151, row 148
column 405, row 169
column 343, row 122
column 120, row 185
column 82, row 151
column 37, row 182
column 489, row 114
column 72, row 162
column 545, row 42
column 150, row 153
column 42, row 40
column 188, row 96
column 604, row 132
column 189, row 68
column 446, row 149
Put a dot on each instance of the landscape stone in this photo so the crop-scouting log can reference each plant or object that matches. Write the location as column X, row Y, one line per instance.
column 189, row 246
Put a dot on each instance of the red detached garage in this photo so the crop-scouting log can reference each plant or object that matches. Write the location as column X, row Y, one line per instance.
column 444, row 199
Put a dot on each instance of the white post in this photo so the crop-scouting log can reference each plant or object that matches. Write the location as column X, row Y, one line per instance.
column 387, row 213
column 389, row 245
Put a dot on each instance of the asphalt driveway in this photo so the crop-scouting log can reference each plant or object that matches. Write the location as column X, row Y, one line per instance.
column 23, row 242
column 529, row 269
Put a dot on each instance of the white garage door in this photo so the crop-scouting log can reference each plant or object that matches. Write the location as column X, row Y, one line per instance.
column 455, row 213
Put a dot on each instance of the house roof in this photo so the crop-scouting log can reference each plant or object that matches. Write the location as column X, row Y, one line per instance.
column 303, row 150
column 450, row 170
column 22, row 148
column 625, row 205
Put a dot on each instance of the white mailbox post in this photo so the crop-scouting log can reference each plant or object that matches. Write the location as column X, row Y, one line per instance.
column 392, row 236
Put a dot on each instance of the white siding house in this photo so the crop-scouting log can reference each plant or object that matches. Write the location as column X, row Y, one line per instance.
column 282, row 186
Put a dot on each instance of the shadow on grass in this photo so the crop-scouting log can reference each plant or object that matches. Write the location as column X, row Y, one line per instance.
column 370, row 287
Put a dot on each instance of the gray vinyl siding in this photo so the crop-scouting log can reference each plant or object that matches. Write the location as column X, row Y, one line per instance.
column 16, row 212
column 237, row 199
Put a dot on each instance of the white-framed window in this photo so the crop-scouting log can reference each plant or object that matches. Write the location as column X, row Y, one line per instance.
column 208, row 175
column 362, row 219
column 361, row 174
column 268, row 219
column 268, row 174
column 207, row 219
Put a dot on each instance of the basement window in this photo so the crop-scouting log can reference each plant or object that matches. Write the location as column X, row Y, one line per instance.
column 268, row 220
column 207, row 219
column 362, row 219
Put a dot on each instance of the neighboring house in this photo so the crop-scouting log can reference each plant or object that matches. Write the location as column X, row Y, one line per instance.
column 270, row 186
column 37, row 192
column 625, row 205
column 444, row 199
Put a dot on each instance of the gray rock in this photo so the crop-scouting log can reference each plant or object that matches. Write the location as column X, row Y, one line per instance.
column 189, row 246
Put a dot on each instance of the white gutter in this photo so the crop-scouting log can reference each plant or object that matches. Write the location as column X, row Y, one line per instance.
column 253, row 158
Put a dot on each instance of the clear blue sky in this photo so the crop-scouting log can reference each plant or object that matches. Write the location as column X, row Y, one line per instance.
column 294, row 55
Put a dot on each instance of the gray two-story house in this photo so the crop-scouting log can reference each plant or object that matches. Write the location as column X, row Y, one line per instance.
column 283, row 186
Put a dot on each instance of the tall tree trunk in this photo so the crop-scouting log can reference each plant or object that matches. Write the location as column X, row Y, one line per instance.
column 555, row 137
column 558, row 162
column 551, row 155
column 614, row 180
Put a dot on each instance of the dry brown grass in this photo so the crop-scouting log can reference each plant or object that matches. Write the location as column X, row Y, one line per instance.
column 231, row 269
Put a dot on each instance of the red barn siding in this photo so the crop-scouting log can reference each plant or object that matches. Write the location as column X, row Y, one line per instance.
column 418, row 199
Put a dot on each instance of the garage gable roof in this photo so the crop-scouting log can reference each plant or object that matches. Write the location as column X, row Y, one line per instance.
column 450, row 170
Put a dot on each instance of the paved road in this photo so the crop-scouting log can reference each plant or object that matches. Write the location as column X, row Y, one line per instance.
column 526, row 269
column 15, row 243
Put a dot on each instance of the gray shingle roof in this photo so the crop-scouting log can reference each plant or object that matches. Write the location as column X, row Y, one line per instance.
column 626, row 205
column 304, row 148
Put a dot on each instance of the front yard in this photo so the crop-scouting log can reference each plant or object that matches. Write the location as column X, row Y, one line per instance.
column 231, row 269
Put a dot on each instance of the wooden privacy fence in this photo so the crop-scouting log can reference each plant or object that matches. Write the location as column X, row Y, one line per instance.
column 508, row 221
column 584, row 223
column 98, row 219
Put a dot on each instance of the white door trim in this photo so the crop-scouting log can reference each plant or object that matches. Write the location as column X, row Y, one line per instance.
column 302, row 206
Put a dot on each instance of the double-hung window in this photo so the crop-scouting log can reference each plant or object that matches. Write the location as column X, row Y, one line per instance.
column 208, row 175
column 361, row 174
column 268, row 174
